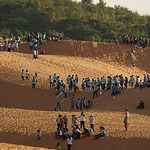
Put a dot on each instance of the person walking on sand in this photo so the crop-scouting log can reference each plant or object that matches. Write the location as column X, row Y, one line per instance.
column 27, row 75
column 133, row 54
column 34, row 82
column 126, row 119
column 69, row 143
column 50, row 81
column 22, row 74
column 95, row 92
column 38, row 135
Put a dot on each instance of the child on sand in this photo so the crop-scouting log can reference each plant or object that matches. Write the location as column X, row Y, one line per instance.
column 126, row 119
column 38, row 135
column 58, row 146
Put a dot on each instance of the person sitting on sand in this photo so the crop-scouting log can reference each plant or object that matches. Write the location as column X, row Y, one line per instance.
column 42, row 52
column 141, row 105
column 90, row 104
column 86, row 132
column 54, row 109
column 38, row 135
column 77, row 133
column 102, row 133
column 65, row 134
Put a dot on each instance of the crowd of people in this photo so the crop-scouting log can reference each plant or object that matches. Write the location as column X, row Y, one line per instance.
column 133, row 40
column 58, row 36
column 115, row 83
column 12, row 43
column 79, row 129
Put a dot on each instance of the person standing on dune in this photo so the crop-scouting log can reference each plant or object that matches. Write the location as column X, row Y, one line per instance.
column 69, row 143
column 38, row 135
column 22, row 74
column 82, row 120
column 34, row 82
column 133, row 54
column 126, row 119
column 27, row 75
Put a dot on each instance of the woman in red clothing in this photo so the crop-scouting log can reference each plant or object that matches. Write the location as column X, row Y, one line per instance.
column 126, row 119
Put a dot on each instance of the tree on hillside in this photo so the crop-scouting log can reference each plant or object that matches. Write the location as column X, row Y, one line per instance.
column 79, row 21
column 87, row 1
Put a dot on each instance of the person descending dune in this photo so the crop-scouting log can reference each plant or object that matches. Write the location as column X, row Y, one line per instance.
column 133, row 54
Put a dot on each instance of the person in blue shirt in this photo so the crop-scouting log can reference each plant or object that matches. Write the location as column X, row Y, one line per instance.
column 95, row 92
column 72, row 102
column 114, row 90
column 58, row 107
column 102, row 133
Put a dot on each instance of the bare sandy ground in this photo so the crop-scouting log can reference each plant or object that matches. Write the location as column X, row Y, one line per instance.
column 11, row 65
column 22, row 124
column 24, row 110
column 4, row 146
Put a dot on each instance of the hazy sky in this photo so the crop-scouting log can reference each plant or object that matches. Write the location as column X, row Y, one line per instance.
column 141, row 6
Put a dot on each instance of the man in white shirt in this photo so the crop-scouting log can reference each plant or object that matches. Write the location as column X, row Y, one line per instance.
column 34, row 54
column 69, row 143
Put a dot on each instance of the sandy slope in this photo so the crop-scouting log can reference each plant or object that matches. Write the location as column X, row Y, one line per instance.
column 23, row 97
column 24, row 128
column 11, row 65
column 4, row 146
column 24, row 110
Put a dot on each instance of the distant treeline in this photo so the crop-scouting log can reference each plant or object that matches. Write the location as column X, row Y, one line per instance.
column 78, row 21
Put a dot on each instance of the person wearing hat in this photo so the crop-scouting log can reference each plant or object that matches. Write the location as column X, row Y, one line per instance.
column 92, row 121
column 102, row 133
column 126, row 119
